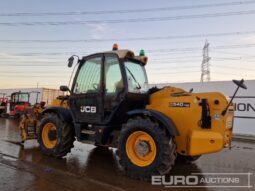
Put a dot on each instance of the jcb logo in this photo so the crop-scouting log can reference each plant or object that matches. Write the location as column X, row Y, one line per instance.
column 88, row 109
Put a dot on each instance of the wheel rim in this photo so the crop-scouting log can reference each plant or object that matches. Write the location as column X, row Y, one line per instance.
column 141, row 148
column 49, row 137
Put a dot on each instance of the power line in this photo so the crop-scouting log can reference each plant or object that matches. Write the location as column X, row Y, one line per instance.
column 186, row 58
column 25, row 65
column 152, row 62
column 151, row 73
column 133, row 20
column 34, row 72
column 47, row 53
column 65, row 76
column 213, row 66
column 103, row 12
column 166, row 82
column 34, row 76
column 233, row 46
column 177, row 67
column 232, row 53
column 174, row 58
column 233, row 68
column 182, row 72
column 231, row 74
column 68, row 72
column 173, row 62
column 32, row 62
column 65, row 69
column 131, row 38
column 166, row 50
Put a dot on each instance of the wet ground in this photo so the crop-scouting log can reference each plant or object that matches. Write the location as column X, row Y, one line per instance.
column 23, row 167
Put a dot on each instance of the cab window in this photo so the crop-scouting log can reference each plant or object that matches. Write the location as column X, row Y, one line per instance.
column 113, row 78
column 136, row 77
column 89, row 77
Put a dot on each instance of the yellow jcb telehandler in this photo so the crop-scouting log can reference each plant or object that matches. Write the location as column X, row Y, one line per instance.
column 110, row 104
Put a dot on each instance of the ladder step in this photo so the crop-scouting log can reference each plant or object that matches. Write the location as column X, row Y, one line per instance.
column 88, row 132
column 88, row 142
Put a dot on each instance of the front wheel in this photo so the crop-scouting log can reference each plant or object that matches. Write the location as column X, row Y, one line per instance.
column 55, row 136
column 145, row 149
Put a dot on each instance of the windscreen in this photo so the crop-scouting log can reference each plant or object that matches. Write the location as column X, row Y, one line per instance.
column 136, row 77
column 21, row 97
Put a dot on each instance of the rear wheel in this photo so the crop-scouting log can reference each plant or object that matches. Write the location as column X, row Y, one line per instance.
column 145, row 149
column 55, row 136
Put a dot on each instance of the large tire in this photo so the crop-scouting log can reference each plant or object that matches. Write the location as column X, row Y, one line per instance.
column 57, row 141
column 163, row 160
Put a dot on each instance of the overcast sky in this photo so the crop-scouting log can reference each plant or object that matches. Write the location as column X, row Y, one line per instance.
column 37, row 37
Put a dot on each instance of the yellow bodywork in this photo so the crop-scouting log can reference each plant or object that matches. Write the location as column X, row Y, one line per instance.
column 133, row 154
column 48, row 143
column 194, row 140
column 60, row 103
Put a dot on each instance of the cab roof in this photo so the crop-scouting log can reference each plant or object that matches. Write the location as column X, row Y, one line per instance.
column 19, row 92
column 124, row 53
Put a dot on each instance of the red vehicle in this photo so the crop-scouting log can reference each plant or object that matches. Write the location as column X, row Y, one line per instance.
column 3, row 103
column 18, row 104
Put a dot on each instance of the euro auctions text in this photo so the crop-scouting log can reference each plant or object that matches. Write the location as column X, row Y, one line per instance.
column 204, row 180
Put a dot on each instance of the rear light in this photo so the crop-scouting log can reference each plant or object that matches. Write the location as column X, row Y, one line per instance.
column 229, row 122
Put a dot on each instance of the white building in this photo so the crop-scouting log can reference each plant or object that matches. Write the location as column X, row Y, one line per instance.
column 44, row 94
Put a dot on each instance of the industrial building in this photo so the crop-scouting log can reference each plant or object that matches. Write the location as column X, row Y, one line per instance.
column 36, row 94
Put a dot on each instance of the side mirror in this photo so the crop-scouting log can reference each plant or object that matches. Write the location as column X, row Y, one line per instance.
column 64, row 89
column 240, row 83
column 70, row 61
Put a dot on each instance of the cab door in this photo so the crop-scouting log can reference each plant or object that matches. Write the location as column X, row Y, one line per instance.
column 113, row 86
column 87, row 95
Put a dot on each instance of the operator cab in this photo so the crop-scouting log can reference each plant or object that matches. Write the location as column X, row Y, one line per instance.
column 107, row 85
column 19, row 98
